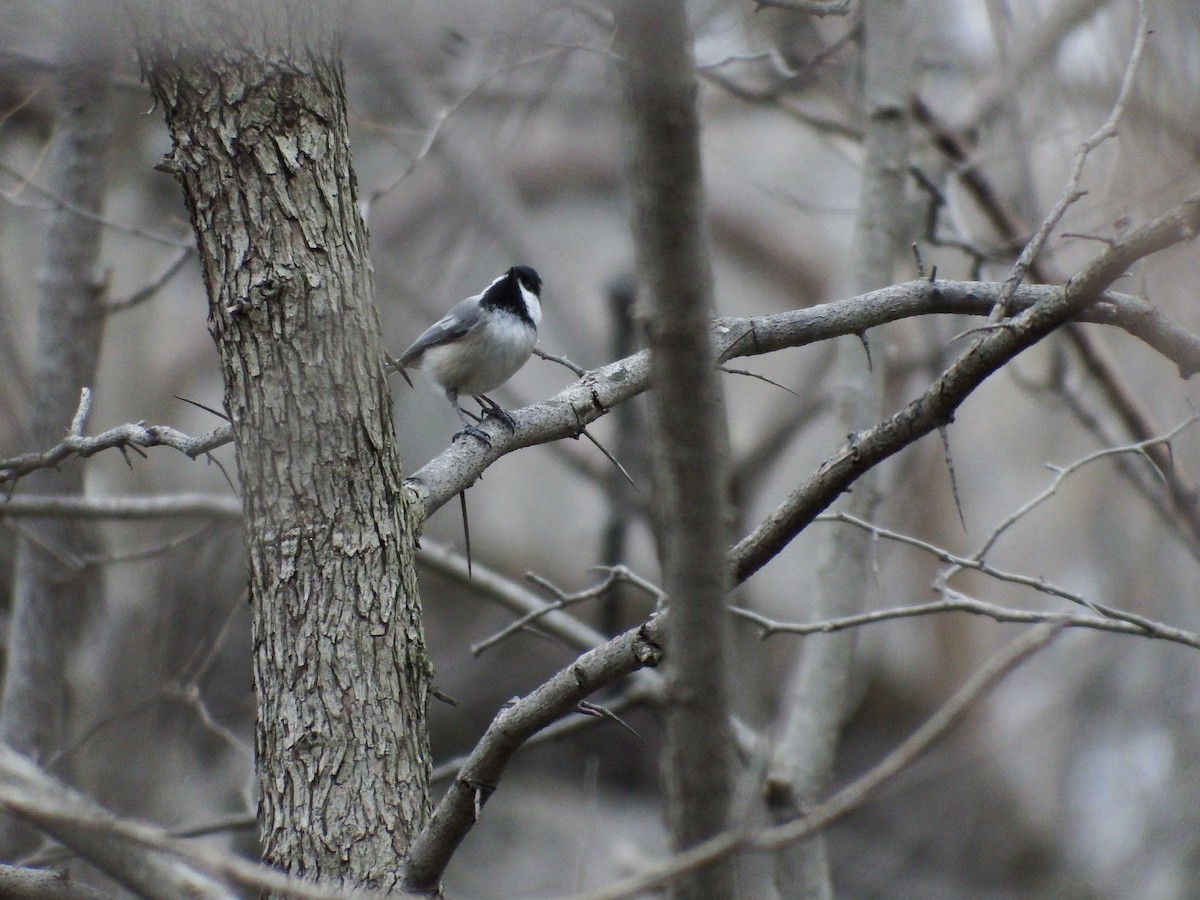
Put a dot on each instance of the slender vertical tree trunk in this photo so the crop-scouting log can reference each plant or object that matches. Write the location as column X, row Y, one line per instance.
column 689, row 437
column 255, row 102
column 801, row 765
column 54, row 585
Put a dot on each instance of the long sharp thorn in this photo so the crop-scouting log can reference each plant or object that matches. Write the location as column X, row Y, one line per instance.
column 462, row 499
column 612, row 459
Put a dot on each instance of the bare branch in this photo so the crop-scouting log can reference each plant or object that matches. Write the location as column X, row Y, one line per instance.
column 961, row 562
column 936, row 406
column 600, row 390
column 958, row 602
column 19, row 883
column 616, row 575
column 109, row 844
column 56, row 202
column 565, row 414
column 454, row 817
column 1071, row 192
column 1061, row 473
column 1177, row 504
column 820, row 8
column 164, row 506
column 133, row 435
column 140, row 296
column 1172, row 495
column 858, row 792
column 509, row 594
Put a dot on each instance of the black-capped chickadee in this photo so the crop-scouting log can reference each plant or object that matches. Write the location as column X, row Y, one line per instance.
column 480, row 344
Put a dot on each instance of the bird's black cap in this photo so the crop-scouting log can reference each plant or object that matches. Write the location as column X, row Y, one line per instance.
column 529, row 279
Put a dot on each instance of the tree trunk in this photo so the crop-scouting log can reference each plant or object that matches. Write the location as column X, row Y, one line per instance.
column 255, row 102
column 54, row 585
column 689, row 437
column 801, row 765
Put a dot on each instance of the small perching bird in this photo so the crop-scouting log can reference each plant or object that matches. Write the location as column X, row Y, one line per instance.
column 480, row 344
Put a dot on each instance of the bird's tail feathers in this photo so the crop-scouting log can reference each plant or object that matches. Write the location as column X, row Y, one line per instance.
column 394, row 365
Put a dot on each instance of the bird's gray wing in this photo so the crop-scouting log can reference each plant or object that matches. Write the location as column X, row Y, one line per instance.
column 461, row 319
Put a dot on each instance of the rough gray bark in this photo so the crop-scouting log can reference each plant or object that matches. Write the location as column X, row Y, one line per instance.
column 689, row 439
column 255, row 102
column 53, row 585
column 801, row 764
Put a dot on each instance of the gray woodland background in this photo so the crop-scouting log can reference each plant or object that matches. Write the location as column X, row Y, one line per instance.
column 488, row 134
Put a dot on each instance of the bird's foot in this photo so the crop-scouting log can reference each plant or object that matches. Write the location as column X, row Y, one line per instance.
column 474, row 432
column 493, row 410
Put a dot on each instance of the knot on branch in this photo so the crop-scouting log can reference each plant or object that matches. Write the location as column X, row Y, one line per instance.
column 646, row 650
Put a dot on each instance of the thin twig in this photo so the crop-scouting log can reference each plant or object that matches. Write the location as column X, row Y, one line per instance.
column 959, row 602
column 490, row 584
column 145, row 293
column 961, row 562
column 854, row 795
column 579, row 370
column 1060, row 473
column 1071, row 192
column 614, row 575
column 444, row 114
column 57, row 202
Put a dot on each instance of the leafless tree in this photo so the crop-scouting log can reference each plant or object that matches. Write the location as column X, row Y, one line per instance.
column 770, row 644
column 54, row 584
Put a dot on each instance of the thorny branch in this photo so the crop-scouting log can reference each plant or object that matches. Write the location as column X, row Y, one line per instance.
column 613, row 576
column 977, row 561
column 540, row 715
column 936, row 407
column 1176, row 501
column 1071, row 192
column 582, row 403
column 513, row 726
column 134, row 435
column 563, row 415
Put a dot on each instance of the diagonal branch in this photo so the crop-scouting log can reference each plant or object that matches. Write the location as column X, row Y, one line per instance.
column 855, row 794
column 936, row 407
column 134, row 434
column 143, row 857
column 96, row 835
column 1071, row 192
column 564, row 415
column 455, row 815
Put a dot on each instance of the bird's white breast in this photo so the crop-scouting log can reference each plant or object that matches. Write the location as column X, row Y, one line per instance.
column 488, row 355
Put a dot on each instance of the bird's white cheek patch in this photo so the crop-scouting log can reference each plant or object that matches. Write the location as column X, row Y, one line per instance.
column 532, row 305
